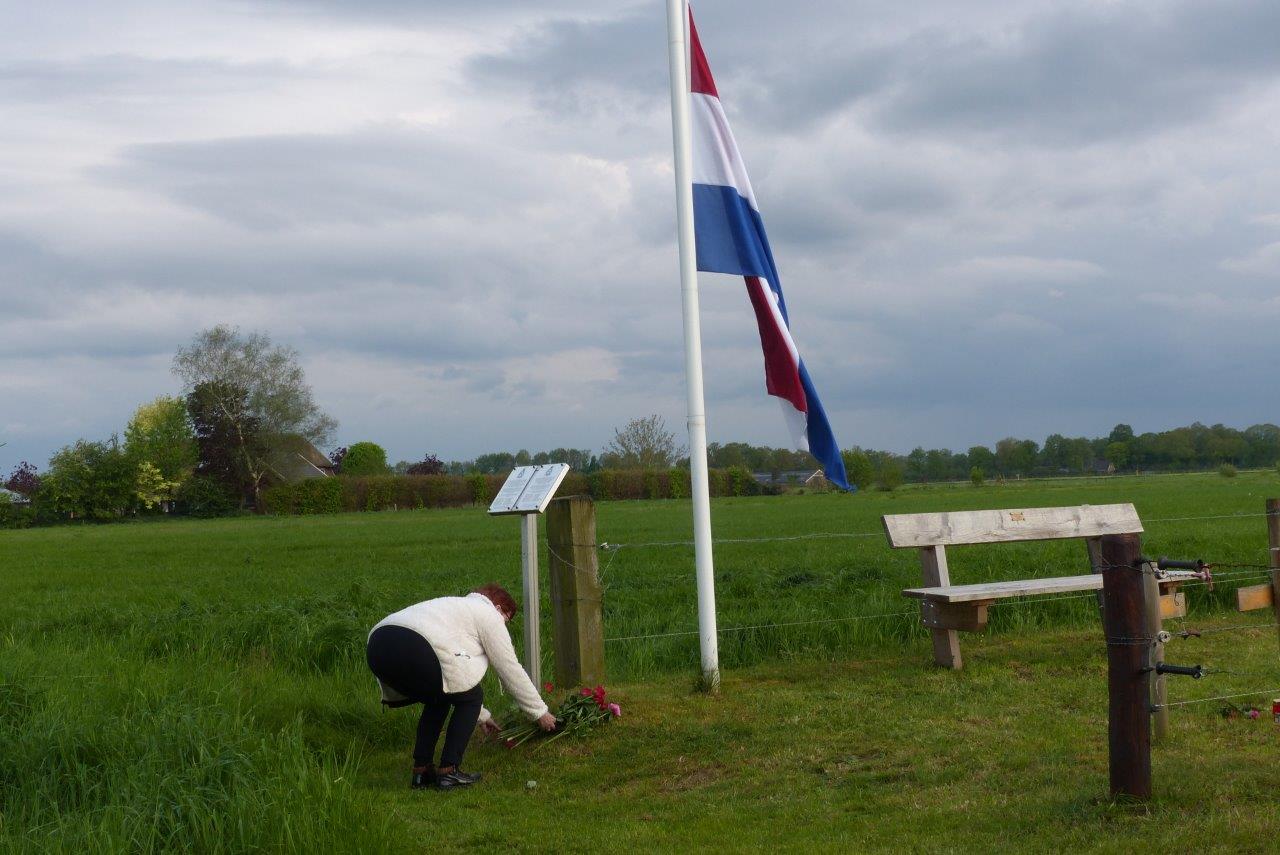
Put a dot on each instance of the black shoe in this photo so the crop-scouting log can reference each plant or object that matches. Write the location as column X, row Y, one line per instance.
column 456, row 778
column 423, row 780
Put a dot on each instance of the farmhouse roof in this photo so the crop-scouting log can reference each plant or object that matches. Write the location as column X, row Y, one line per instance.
column 794, row 476
column 298, row 459
column 15, row 498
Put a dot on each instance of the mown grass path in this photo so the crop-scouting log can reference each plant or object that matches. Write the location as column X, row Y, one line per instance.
column 200, row 686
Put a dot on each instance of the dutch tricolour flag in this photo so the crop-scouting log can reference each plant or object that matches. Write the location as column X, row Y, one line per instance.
column 731, row 239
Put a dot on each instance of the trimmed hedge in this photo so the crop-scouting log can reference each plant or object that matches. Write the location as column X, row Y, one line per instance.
column 398, row 492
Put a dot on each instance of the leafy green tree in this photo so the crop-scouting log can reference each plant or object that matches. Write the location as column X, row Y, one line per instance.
column 494, row 463
column 643, row 443
column 1016, row 456
column 915, row 464
column 937, row 464
column 1263, row 443
column 1118, row 454
column 729, row 454
column 252, row 387
column 858, row 468
column 579, row 459
column 1224, row 444
column 90, row 480
column 1121, row 433
column 983, row 458
column 231, row 451
column 976, row 478
column 203, row 496
column 160, row 433
column 889, row 474
column 1175, row 448
column 1054, row 454
column 152, row 488
column 365, row 458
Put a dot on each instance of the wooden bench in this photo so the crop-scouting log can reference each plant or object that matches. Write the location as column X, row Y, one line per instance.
column 946, row 609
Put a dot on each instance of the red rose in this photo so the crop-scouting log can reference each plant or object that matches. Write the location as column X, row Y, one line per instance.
column 547, row 687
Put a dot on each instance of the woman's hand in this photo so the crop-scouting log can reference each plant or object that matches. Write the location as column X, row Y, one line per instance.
column 547, row 722
column 490, row 727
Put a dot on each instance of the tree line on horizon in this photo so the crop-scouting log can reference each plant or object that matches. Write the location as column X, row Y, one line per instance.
column 1181, row 449
column 247, row 417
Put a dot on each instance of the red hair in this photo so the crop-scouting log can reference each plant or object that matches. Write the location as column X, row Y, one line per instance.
column 499, row 597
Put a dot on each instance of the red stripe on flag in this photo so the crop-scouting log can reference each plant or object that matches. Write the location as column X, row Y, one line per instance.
column 781, row 373
column 700, row 72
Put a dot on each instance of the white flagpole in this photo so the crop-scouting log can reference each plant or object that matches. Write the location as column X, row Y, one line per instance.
column 678, row 50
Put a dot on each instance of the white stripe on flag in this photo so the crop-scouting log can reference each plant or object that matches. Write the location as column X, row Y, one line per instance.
column 797, row 423
column 716, row 159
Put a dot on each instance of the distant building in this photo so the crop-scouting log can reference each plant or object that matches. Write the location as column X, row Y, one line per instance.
column 300, row 460
column 793, row 478
column 1104, row 467
column 14, row 498
column 817, row 481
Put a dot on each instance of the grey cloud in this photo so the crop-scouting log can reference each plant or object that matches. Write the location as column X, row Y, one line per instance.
column 1081, row 73
column 574, row 66
column 422, row 12
column 1089, row 72
column 850, row 204
column 123, row 77
column 291, row 181
column 921, row 230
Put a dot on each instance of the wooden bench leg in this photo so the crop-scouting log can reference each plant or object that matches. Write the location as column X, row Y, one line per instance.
column 946, row 642
column 946, row 648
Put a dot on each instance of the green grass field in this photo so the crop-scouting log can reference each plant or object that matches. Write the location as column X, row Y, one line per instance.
column 201, row 686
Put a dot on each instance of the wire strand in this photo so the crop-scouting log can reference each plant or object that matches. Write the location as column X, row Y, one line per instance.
column 782, row 539
column 1236, row 628
column 763, row 626
column 1239, row 516
column 1217, row 698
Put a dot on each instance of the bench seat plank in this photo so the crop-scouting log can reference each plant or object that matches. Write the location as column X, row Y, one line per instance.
column 1029, row 587
column 1005, row 590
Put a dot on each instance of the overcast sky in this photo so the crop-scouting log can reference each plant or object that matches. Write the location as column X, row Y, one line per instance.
column 990, row 218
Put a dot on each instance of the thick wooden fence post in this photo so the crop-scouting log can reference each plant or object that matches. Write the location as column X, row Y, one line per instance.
column 1273, row 541
column 578, row 625
column 1128, row 680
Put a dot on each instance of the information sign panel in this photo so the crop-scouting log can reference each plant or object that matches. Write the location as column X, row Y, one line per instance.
column 529, row 489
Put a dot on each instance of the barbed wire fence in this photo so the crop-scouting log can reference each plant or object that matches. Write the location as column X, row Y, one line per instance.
column 1232, row 575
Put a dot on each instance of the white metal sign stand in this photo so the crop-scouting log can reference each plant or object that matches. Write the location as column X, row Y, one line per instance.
column 527, row 492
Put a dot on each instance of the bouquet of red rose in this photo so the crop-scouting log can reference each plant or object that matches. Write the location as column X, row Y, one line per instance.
column 577, row 714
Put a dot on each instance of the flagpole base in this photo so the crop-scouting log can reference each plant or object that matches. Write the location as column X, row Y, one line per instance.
column 709, row 682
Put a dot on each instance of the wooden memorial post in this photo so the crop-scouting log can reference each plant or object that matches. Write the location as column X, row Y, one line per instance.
column 527, row 492
column 577, row 621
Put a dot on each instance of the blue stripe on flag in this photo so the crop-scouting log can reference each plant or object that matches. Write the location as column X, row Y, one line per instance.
column 731, row 238
column 822, row 441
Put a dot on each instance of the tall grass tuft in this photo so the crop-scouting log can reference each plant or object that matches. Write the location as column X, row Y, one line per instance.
column 131, row 765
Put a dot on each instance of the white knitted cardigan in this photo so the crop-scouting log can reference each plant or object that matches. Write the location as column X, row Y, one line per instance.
column 467, row 634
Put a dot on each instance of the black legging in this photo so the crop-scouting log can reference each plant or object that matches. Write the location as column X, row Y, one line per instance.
column 404, row 660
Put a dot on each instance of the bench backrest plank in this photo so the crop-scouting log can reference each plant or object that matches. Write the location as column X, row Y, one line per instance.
column 1004, row 526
